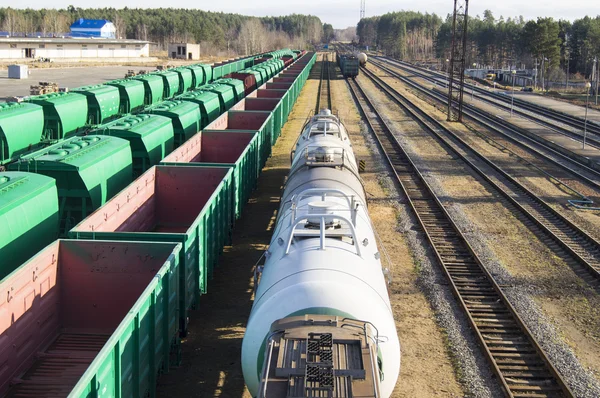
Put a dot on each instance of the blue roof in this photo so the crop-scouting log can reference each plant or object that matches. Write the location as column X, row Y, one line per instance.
column 89, row 23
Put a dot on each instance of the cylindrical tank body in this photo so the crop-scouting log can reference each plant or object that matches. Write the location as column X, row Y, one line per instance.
column 323, row 258
column 362, row 58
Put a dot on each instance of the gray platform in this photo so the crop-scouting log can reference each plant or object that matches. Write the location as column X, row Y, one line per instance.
column 561, row 106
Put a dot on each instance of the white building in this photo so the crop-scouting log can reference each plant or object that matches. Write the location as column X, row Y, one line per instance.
column 93, row 28
column 184, row 51
column 71, row 49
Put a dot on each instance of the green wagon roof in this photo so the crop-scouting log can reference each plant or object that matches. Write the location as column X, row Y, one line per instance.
column 237, row 85
column 16, row 186
column 132, row 93
column 138, row 124
column 209, row 103
column 171, row 81
column 202, row 73
column 174, row 106
column 66, row 111
column 151, row 137
column 21, row 127
column 185, row 116
column 29, row 216
column 73, row 153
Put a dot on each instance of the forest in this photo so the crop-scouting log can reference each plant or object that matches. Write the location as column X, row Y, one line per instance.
column 214, row 31
column 492, row 42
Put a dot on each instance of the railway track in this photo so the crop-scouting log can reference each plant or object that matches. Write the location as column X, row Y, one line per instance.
column 537, row 148
column 573, row 121
column 324, row 94
column 523, row 368
column 578, row 249
column 529, row 111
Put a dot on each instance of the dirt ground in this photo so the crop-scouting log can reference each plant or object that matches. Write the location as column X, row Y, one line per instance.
column 211, row 352
column 568, row 302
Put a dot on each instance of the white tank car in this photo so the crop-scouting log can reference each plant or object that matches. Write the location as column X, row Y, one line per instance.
column 321, row 322
column 362, row 58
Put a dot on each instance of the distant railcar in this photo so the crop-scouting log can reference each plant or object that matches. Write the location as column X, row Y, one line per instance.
column 348, row 64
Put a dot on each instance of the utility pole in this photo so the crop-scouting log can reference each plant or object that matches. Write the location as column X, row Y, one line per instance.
column 457, row 60
column 535, row 76
column 567, row 56
column 543, row 59
column 597, row 77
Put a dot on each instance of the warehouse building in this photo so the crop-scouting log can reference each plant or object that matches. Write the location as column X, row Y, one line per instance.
column 71, row 49
column 184, row 51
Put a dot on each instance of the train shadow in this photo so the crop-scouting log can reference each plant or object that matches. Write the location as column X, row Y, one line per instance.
column 211, row 353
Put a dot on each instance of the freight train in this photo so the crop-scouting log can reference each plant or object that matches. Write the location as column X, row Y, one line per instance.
column 101, row 313
column 349, row 64
column 321, row 323
column 82, row 140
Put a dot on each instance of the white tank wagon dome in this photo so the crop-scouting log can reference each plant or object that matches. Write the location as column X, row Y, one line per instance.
column 362, row 58
column 321, row 318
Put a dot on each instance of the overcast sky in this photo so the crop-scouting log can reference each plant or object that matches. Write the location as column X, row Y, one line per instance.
column 344, row 13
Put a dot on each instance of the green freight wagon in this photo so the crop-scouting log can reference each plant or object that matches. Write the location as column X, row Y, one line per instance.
column 257, row 75
column 208, row 73
column 285, row 98
column 150, row 137
column 64, row 113
column 273, row 105
column 103, row 316
column 248, row 62
column 171, row 83
column 270, row 67
column 28, row 215
column 21, row 129
column 224, row 148
column 186, row 79
column 131, row 93
column 208, row 102
column 201, row 74
column 225, row 93
column 193, row 206
column 255, row 121
column 184, row 115
column 237, row 85
column 154, row 88
column 88, row 171
column 264, row 72
column 103, row 102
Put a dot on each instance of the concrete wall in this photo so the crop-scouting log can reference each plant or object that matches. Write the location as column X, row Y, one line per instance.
column 184, row 51
column 74, row 50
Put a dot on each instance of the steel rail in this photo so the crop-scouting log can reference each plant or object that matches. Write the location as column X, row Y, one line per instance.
column 583, row 249
column 520, row 363
column 504, row 103
column 323, row 95
column 507, row 130
column 571, row 120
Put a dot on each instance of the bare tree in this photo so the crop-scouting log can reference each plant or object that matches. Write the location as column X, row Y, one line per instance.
column 230, row 35
column 142, row 32
column 252, row 37
column 54, row 22
column 9, row 23
column 120, row 27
